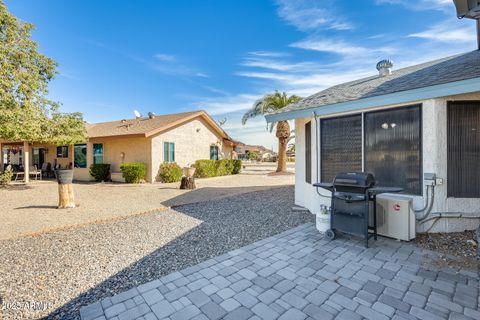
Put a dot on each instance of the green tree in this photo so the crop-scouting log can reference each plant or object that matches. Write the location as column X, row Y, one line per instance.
column 26, row 114
column 252, row 155
column 269, row 104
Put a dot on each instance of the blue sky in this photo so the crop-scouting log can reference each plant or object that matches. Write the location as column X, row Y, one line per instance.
column 174, row 56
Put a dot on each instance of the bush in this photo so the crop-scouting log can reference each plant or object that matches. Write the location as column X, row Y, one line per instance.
column 133, row 172
column 170, row 172
column 6, row 177
column 214, row 168
column 100, row 172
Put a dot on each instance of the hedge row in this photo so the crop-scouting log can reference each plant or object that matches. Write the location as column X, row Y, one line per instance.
column 214, row 168
column 133, row 172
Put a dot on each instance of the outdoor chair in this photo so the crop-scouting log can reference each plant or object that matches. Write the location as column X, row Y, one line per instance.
column 18, row 174
column 35, row 172
column 44, row 170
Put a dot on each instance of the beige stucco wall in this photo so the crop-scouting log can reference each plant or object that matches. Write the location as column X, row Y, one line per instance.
column 434, row 156
column 135, row 149
column 192, row 142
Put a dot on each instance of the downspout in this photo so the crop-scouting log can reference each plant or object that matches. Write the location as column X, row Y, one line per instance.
column 317, row 154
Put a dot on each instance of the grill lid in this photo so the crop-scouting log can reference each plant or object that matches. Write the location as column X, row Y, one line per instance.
column 354, row 179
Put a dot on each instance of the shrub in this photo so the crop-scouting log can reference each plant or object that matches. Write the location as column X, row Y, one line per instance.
column 133, row 172
column 6, row 177
column 170, row 172
column 237, row 166
column 253, row 155
column 100, row 172
column 214, row 168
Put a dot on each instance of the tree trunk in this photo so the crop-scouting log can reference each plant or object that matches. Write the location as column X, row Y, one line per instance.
column 283, row 133
column 65, row 196
column 187, row 183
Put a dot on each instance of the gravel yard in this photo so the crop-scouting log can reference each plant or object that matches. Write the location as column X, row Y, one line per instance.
column 31, row 209
column 76, row 267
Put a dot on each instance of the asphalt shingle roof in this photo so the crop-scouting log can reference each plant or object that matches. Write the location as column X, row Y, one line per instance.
column 455, row 68
column 147, row 126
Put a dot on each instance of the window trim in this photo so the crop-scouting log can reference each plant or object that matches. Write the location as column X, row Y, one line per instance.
column 86, row 155
column 321, row 135
column 449, row 105
column 61, row 153
column 308, row 152
column 420, row 136
column 167, row 143
column 103, row 152
column 218, row 151
column 362, row 114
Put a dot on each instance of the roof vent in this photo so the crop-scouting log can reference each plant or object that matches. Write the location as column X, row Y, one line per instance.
column 384, row 67
column 151, row 115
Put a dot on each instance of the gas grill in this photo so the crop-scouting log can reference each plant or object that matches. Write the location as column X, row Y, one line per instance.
column 352, row 193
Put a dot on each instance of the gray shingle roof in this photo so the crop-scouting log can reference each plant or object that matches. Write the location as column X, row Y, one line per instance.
column 459, row 67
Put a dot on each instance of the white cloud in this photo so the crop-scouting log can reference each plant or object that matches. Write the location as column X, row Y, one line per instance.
column 338, row 46
column 447, row 32
column 165, row 57
column 419, row 5
column 268, row 54
column 310, row 15
column 227, row 104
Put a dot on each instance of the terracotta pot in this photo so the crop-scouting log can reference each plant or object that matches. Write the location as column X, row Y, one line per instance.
column 64, row 176
column 188, row 172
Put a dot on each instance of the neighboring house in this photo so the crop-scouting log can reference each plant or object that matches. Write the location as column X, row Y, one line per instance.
column 398, row 125
column 243, row 150
column 181, row 138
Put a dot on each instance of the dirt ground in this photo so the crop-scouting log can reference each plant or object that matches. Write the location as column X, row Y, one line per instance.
column 31, row 209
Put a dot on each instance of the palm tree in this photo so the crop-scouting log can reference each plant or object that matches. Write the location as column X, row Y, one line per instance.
column 269, row 104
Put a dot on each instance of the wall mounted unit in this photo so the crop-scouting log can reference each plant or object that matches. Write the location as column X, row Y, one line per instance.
column 395, row 216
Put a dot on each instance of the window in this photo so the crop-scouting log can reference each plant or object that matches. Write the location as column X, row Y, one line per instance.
column 308, row 152
column 341, row 145
column 169, row 152
column 213, row 152
column 80, row 156
column 62, row 152
column 393, row 148
column 97, row 153
column 463, row 149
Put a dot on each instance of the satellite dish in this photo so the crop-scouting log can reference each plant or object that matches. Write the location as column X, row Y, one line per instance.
column 137, row 114
column 467, row 8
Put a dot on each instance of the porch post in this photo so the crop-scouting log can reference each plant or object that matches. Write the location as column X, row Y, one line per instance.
column 1, row 158
column 26, row 162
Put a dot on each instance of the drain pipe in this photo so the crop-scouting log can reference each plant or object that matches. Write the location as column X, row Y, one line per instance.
column 317, row 147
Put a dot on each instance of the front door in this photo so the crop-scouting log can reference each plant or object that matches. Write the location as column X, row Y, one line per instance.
column 38, row 157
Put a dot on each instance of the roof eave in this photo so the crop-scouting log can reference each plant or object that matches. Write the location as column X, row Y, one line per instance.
column 437, row 91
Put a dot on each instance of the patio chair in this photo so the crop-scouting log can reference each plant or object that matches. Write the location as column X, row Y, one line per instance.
column 44, row 169
column 35, row 172
column 19, row 173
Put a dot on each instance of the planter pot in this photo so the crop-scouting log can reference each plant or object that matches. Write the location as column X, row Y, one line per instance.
column 188, row 172
column 64, row 176
column 323, row 222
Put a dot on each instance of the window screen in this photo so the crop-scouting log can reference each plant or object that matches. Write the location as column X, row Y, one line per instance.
column 169, row 152
column 80, row 155
column 393, row 148
column 341, row 146
column 463, row 149
column 214, row 153
column 97, row 153
column 308, row 152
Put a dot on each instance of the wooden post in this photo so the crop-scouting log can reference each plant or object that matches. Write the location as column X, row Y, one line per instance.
column 26, row 162
column 2, row 165
column 187, row 183
column 65, row 196
column 65, row 189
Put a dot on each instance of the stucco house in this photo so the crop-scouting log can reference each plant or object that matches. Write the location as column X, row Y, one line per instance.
column 399, row 125
column 181, row 138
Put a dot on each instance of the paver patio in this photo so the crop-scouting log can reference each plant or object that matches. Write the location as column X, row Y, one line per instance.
column 298, row 275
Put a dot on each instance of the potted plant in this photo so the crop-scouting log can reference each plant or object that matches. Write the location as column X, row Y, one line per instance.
column 188, row 171
column 323, row 219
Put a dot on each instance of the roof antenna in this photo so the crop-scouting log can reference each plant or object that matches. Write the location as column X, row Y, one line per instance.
column 138, row 115
column 469, row 9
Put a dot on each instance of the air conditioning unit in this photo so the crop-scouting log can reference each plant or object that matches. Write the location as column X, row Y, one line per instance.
column 395, row 216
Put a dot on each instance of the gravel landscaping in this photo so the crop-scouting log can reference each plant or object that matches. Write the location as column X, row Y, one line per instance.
column 31, row 209
column 457, row 249
column 76, row 267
